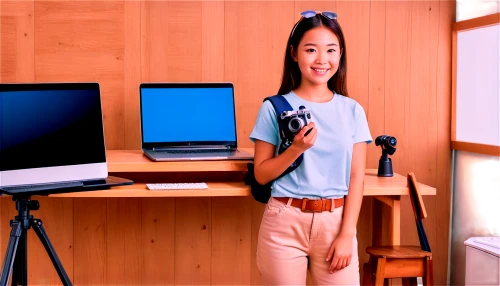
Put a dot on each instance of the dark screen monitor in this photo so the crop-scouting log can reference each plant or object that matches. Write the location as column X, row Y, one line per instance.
column 51, row 132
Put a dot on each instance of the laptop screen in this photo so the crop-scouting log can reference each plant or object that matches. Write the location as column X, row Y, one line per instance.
column 44, row 126
column 187, row 114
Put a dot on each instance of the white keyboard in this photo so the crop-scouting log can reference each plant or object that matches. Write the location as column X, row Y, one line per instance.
column 177, row 186
column 493, row 241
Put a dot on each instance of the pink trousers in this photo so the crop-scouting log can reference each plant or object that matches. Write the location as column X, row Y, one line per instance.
column 291, row 242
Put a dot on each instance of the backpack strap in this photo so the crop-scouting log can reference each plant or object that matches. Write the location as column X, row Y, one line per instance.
column 280, row 104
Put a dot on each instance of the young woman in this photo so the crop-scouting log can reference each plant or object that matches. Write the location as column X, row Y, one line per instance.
column 310, row 221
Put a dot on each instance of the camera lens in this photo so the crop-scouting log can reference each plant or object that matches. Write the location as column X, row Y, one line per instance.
column 295, row 124
column 392, row 141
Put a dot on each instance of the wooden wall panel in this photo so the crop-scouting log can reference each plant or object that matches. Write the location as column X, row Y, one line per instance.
column 81, row 41
column 193, row 241
column 397, row 78
column 124, row 244
column 158, row 241
column 399, row 70
column 171, row 41
column 132, row 74
column 17, row 41
column 212, row 41
column 354, row 17
column 90, row 238
column 231, row 241
column 253, row 59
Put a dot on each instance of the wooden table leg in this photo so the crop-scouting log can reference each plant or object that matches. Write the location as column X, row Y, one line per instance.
column 394, row 202
column 395, row 222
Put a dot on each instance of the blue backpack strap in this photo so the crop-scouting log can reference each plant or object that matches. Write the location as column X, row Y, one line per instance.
column 280, row 104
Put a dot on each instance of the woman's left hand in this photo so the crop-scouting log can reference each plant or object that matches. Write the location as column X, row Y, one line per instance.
column 341, row 251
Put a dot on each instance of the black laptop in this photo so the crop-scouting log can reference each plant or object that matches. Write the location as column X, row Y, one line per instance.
column 189, row 121
column 52, row 139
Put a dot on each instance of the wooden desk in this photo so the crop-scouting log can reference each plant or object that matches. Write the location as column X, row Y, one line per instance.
column 386, row 190
column 129, row 235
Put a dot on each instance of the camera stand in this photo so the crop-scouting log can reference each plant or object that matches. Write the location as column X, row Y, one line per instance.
column 16, row 257
column 385, row 166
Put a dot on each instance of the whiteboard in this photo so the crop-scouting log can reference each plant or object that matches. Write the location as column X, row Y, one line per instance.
column 478, row 86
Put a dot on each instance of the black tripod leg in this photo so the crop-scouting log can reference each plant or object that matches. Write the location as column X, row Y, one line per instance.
column 42, row 235
column 15, row 234
column 20, row 269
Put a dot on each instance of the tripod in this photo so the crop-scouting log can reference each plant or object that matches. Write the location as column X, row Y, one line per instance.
column 16, row 257
column 385, row 165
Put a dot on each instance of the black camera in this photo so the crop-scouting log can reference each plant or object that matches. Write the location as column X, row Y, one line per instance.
column 292, row 122
column 388, row 144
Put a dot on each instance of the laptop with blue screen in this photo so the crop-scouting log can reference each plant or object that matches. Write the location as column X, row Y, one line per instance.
column 189, row 121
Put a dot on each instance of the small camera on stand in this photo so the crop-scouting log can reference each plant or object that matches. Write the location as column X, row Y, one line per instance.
column 388, row 144
column 292, row 122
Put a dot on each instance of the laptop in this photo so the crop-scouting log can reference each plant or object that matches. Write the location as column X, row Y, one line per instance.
column 189, row 121
column 52, row 139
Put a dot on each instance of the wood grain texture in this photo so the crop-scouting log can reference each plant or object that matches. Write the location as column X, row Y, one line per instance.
column 132, row 74
column 89, row 232
column 158, row 240
column 231, row 241
column 354, row 17
column 193, row 241
column 78, row 41
column 375, row 112
column 212, row 41
column 17, row 41
column 124, row 247
column 171, row 41
column 253, row 60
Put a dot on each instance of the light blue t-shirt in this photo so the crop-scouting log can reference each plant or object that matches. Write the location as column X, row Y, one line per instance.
column 326, row 168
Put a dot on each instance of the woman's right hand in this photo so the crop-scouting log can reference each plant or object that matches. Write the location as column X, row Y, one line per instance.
column 304, row 142
column 268, row 167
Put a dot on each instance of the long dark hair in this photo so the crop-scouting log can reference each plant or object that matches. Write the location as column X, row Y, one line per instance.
column 291, row 72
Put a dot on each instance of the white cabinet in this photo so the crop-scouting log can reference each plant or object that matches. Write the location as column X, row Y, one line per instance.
column 482, row 261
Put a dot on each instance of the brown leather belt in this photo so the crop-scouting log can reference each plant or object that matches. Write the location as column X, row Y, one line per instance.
column 307, row 205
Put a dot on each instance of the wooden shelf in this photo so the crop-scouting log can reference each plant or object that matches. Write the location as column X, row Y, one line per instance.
column 374, row 186
column 123, row 161
column 133, row 161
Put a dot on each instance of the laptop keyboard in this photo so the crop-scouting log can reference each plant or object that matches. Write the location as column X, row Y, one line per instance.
column 197, row 151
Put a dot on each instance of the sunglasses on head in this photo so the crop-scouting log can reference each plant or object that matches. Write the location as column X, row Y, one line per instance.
column 311, row 13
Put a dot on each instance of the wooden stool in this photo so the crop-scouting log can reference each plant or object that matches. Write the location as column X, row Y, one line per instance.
column 398, row 261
